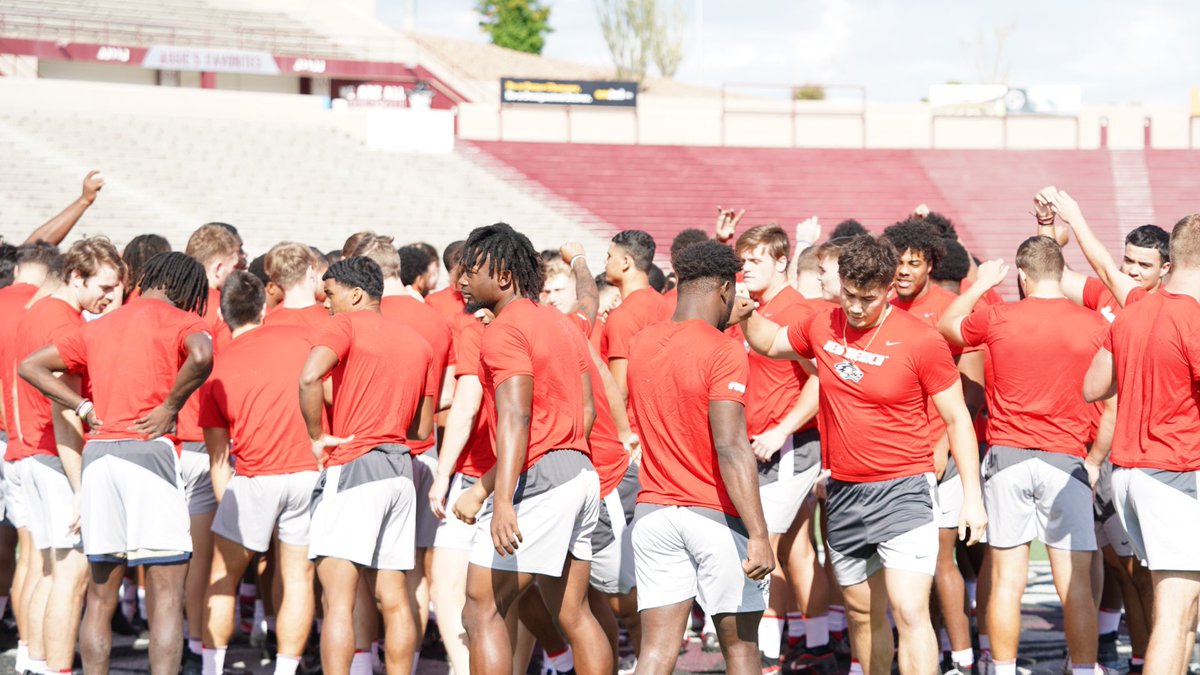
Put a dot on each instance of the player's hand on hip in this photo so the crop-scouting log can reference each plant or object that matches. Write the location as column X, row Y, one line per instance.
column 760, row 559
column 972, row 521
column 320, row 447
column 157, row 422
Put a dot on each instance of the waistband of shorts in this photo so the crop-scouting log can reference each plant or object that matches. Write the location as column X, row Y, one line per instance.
column 733, row 522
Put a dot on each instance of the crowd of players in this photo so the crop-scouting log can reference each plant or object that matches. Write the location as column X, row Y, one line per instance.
column 804, row 440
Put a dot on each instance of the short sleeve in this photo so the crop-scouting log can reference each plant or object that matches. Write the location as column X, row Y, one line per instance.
column 73, row 350
column 798, row 334
column 466, row 350
column 505, row 352
column 212, row 416
column 1093, row 289
column 974, row 328
column 617, row 332
column 1107, row 341
column 935, row 366
column 728, row 372
column 337, row 335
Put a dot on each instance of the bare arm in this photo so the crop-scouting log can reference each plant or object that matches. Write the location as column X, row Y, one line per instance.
column 767, row 444
column 587, row 295
column 991, row 273
column 1102, row 445
column 57, row 228
column 727, row 419
column 965, row 449
column 421, row 425
column 216, row 440
column 39, row 368
column 1101, row 379
column 446, row 389
column 68, row 436
column 320, row 361
column 619, row 369
column 514, row 410
column 589, row 404
column 460, row 422
column 1097, row 255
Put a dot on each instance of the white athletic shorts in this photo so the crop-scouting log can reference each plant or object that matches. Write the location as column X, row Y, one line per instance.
column 254, row 506
column 882, row 524
column 949, row 502
column 15, row 509
column 452, row 532
column 786, row 480
column 362, row 511
column 51, row 504
column 1158, row 509
column 424, row 467
column 612, row 562
column 197, row 479
column 557, row 503
column 1037, row 494
column 133, row 505
column 685, row 552
column 3, row 483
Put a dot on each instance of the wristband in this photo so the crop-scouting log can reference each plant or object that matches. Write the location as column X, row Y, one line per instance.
column 84, row 408
column 1045, row 221
column 575, row 257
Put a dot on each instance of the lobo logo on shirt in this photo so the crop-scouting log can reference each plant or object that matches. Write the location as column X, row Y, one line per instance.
column 856, row 355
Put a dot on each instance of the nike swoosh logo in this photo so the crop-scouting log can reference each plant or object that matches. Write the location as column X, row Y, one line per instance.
column 891, row 344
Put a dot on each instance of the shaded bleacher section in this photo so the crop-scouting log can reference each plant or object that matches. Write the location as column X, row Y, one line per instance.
column 664, row 189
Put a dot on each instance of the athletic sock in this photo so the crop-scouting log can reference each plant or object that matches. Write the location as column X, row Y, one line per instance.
column 195, row 647
column 1083, row 669
column 837, row 618
column 141, row 602
column 286, row 665
column 22, row 663
column 855, row 667
column 1108, row 620
column 770, row 635
column 1005, row 667
column 561, row 661
column 795, row 628
column 376, row 659
column 964, row 658
column 129, row 604
column 38, row 666
column 360, row 664
column 816, row 630
column 212, row 660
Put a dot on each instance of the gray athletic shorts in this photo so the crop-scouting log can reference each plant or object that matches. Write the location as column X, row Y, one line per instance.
column 1159, row 508
column 51, row 504
column 685, row 552
column 785, row 482
column 612, row 548
column 424, row 468
column 15, row 509
column 133, row 506
column 558, row 504
column 197, row 479
column 1037, row 494
column 882, row 524
column 362, row 511
column 254, row 506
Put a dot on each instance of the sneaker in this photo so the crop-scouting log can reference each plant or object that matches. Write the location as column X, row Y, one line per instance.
column 770, row 666
column 984, row 664
column 1106, row 650
column 959, row 670
column 841, row 644
column 627, row 665
column 193, row 664
column 816, row 661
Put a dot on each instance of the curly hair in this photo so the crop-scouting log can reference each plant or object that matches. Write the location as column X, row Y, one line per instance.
column 919, row 237
column 685, row 239
column 867, row 262
column 708, row 261
column 954, row 265
column 848, row 228
column 357, row 272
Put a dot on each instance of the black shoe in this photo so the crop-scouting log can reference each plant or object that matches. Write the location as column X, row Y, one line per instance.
column 193, row 664
column 1106, row 652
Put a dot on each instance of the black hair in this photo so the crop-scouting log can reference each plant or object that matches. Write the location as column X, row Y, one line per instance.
column 848, row 228
column 40, row 252
column 954, row 265
column 452, row 254
column 242, row 299
column 181, row 277
column 707, row 261
column 639, row 245
column 602, row 280
column 140, row 250
column 357, row 272
column 414, row 261
column 428, row 248
column 919, row 237
column 943, row 225
column 506, row 250
column 8, row 264
column 1151, row 236
column 548, row 255
column 685, row 239
column 658, row 279
column 257, row 267
column 334, row 256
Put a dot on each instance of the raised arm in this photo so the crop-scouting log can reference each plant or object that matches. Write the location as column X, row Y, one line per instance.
column 587, row 295
column 1097, row 255
column 57, row 228
column 991, row 274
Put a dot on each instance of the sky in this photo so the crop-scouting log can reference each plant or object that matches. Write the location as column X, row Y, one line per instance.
column 1118, row 52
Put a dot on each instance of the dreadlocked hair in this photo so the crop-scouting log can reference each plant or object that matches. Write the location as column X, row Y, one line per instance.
column 506, row 250
column 181, row 277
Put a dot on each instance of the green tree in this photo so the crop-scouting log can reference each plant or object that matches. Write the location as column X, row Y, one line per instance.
column 515, row 24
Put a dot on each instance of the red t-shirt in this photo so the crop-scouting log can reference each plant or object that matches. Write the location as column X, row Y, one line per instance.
column 313, row 317
column 608, row 453
column 675, row 370
column 532, row 340
column 775, row 384
column 1157, row 360
column 216, row 325
column 1098, row 298
column 1039, row 350
column 384, row 369
column 479, row 454
column 187, row 426
column 876, row 429
column 12, row 305
column 448, row 302
column 45, row 320
column 131, row 358
column 989, row 298
column 639, row 309
column 929, row 308
column 252, row 393
column 432, row 326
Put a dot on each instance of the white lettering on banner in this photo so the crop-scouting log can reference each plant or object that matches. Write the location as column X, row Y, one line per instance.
column 308, row 66
column 856, row 355
column 119, row 54
column 210, row 60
